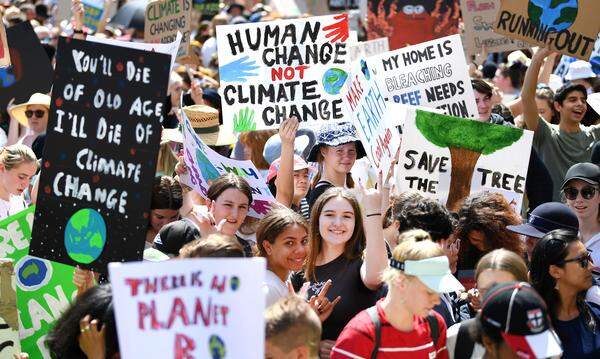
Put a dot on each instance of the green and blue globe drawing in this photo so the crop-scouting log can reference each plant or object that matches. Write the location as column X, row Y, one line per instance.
column 216, row 346
column 234, row 283
column 557, row 15
column 333, row 80
column 32, row 273
column 85, row 235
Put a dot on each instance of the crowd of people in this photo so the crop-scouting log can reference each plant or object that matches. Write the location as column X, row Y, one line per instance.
column 357, row 271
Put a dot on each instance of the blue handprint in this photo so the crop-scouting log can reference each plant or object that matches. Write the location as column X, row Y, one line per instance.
column 238, row 70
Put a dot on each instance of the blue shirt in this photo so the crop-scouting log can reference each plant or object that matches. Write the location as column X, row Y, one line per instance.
column 578, row 340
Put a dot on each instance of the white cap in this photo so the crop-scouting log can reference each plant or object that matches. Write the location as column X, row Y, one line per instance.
column 579, row 70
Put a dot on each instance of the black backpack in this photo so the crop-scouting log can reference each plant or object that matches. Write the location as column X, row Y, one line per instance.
column 372, row 311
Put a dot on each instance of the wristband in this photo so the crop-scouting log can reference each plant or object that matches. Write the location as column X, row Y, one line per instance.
column 373, row 214
column 75, row 31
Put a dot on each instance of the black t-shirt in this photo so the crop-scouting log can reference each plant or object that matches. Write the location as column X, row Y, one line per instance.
column 316, row 192
column 347, row 283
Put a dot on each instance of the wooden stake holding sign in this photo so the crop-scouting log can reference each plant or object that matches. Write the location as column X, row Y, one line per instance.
column 4, row 53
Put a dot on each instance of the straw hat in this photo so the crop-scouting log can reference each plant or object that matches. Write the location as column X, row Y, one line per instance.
column 171, row 135
column 205, row 121
column 18, row 111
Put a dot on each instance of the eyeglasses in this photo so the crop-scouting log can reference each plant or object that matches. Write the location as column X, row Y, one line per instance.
column 584, row 260
column 587, row 192
column 37, row 113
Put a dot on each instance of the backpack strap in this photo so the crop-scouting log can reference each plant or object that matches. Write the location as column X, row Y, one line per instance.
column 372, row 311
column 434, row 328
column 464, row 344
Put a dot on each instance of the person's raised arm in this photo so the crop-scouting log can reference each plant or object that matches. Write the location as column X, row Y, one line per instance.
column 530, row 110
column 78, row 13
column 375, row 259
column 285, row 178
column 104, row 20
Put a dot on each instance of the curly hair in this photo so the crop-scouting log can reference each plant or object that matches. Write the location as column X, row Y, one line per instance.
column 488, row 213
column 429, row 215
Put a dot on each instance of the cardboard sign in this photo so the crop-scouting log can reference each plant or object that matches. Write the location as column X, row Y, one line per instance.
column 204, row 165
column 30, row 70
column 568, row 26
column 448, row 158
column 410, row 22
column 479, row 36
column 207, row 8
column 164, row 19
column 272, row 70
column 92, row 13
column 9, row 318
column 100, row 156
column 4, row 52
column 44, row 289
column 433, row 74
column 366, row 106
column 368, row 48
column 190, row 308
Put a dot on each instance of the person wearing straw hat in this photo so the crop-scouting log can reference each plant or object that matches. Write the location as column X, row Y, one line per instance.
column 33, row 115
column 205, row 122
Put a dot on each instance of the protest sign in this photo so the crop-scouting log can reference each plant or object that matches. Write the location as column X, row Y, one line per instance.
column 368, row 48
column 479, row 17
column 207, row 8
column 568, row 26
column 410, row 22
column 365, row 105
column 30, row 70
column 565, row 61
column 337, row 5
column 190, row 308
column 272, row 70
column 9, row 318
column 594, row 101
column 4, row 52
column 93, row 11
column 44, row 289
column 204, row 165
column 448, row 158
column 100, row 156
column 165, row 19
column 432, row 74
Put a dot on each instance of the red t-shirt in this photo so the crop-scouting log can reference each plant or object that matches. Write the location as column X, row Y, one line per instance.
column 357, row 340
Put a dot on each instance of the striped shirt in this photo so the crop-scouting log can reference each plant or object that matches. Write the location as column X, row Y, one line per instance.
column 357, row 340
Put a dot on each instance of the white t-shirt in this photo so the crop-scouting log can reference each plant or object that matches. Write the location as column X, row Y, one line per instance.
column 593, row 244
column 451, row 336
column 13, row 206
column 274, row 288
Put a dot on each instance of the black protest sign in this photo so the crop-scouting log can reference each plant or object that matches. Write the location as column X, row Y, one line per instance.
column 100, row 154
column 207, row 8
column 30, row 70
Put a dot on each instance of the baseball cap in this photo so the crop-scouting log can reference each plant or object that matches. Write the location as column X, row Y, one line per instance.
column 585, row 171
column 175, row 235
column 579, row 70
column 299, row 164
column 520, row 314
column 545, row 218
column 433, row 272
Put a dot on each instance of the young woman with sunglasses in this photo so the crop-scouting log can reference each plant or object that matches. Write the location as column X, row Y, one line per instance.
column 582, row 194
column 561, row 272
column 33, row 115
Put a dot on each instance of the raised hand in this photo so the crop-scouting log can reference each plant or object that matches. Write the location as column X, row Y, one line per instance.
column 287, row 130
column 83, row 279
column 91, row 340
column 321, row 304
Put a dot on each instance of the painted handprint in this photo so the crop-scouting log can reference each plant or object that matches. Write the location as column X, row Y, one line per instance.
column 243, row 121
column 338, row 30
column 238, row 70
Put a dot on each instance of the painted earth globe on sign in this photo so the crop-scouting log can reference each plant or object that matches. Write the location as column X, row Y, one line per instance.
column 333, row 80
column 216, row 347
column 557, row 15
column 85, row 235
column 32, row 273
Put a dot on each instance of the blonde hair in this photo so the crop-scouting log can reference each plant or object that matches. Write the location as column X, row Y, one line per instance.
column 14, row 155
column 166, row 160
column 414, row 235
column 291, row 323
column 411, row 250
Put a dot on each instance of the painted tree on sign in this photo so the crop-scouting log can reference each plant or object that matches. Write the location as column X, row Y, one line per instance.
column 466, row 140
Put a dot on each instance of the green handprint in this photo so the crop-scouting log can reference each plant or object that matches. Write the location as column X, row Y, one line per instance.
column 243, row 121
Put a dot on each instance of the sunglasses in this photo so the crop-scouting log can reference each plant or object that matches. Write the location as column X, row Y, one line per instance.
column 587, row 192
column 584, row 260
column 37, row 113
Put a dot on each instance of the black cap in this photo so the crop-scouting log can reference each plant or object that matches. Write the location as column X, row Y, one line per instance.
column 547, row 217
column 584, row 171
column 175, row 235
column 518, row 312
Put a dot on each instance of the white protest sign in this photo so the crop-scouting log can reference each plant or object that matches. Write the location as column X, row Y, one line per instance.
column 594, row 101
column 368, row 48
column 169, row 49
column 431, row 74
column 272, row 70
column 365, row 104
column 190, row 308
column 448, row 158
column 204, row 165
column 165, row 19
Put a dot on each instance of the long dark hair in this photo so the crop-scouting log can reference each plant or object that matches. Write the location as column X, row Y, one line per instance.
column 97, row 302
column 552, row 249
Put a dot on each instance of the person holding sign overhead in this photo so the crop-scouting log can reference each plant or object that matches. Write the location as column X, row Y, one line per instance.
column 18, row 164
